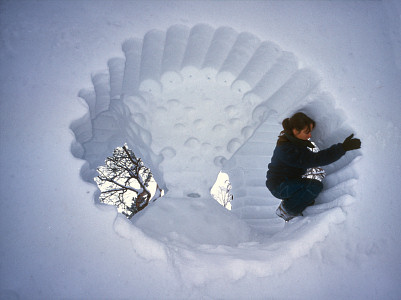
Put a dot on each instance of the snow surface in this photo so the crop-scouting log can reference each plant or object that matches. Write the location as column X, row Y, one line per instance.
column 57, row 243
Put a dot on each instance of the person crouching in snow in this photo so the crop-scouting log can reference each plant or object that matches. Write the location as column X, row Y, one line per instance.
column 291, row 158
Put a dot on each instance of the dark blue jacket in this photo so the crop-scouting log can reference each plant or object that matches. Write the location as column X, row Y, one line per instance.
column 291, row 159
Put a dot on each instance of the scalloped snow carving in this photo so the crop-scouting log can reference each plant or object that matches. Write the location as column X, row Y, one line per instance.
column 193, row 101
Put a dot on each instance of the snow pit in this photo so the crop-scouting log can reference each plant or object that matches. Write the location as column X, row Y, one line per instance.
column 192, row 102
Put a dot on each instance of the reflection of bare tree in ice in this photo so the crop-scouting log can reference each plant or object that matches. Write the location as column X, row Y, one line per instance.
column 193, row 101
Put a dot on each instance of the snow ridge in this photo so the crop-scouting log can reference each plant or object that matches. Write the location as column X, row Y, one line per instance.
column 193, row 101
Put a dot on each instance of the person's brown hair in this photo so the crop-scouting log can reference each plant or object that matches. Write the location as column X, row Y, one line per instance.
column 298, row 122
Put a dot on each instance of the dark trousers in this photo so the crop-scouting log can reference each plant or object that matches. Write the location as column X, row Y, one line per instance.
column 297, row 193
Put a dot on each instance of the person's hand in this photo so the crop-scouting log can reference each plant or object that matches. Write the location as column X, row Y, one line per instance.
column 351, row 144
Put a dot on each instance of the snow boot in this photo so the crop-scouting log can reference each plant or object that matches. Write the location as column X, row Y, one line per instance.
column 283, row 213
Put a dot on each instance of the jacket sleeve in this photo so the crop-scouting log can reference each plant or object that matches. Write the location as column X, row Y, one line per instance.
column 303, row 158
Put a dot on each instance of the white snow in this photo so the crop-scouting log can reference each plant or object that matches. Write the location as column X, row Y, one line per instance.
column 337, row 60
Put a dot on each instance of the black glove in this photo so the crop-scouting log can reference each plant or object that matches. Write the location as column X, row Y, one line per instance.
column 351, row 144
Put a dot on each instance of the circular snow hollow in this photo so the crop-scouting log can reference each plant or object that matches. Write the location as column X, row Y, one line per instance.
column 192, row 102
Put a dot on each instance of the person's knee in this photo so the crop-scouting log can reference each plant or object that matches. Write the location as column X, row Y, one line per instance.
column 317, row 186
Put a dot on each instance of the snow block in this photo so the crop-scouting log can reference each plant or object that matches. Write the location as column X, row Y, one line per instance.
column 174, row 50
column 133, row 53
column 151, row 61
column 287, row 98
column 101, row 83
column 342, row 175
column 198, row 44
column 240, row 54
column 221, row 44
column 82, row 129
column 261, row 61
column 274, row 79
column 301, row 84
column 89, row 97
column 116, row 71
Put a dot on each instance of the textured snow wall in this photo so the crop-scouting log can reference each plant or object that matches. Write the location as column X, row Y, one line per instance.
column 193, row 101
column 188, row 99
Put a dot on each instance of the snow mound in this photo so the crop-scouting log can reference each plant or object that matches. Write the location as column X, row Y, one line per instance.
column 191, row 102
